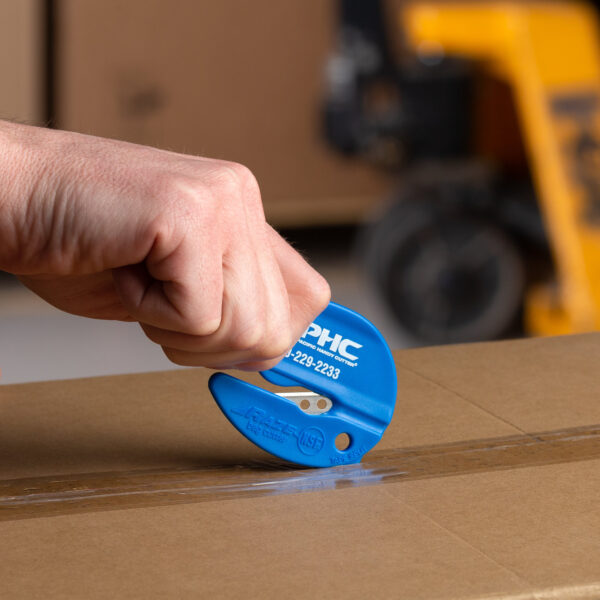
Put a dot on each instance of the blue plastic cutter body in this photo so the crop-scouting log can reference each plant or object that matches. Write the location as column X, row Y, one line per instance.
column 341, row 356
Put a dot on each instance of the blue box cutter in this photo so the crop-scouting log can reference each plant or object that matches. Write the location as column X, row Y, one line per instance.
column 348, row 367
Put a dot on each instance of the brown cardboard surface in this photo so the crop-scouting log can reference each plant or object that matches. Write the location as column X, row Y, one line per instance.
column 162, row 420
column 485, row 486
column 242, row 81
column 34, row 497
column 352, row 544
column 541, row 524
column 534, row 384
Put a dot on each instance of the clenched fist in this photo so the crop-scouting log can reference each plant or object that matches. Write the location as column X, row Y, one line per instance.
column 112, row 230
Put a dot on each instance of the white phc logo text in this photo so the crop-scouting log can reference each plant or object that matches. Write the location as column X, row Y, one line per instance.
column 335, row 343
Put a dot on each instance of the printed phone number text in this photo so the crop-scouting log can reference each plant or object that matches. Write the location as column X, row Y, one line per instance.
column 317, row 365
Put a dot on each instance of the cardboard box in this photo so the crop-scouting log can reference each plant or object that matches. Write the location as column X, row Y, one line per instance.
column 241, row 81
column 486, row 485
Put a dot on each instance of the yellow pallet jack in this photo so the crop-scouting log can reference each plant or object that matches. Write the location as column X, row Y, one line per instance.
column 547, row 54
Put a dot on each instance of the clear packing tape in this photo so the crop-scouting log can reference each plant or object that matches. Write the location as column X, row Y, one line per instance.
column 68, row 494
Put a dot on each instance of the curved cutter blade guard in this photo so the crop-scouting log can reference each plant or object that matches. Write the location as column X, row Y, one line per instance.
column 341, row 356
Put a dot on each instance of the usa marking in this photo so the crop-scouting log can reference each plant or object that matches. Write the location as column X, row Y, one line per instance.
column 348, row 457
column 311, row 441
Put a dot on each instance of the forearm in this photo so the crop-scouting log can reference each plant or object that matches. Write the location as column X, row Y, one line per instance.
column 68, row 199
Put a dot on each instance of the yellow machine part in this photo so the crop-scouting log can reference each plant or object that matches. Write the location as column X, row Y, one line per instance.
column 549, row 54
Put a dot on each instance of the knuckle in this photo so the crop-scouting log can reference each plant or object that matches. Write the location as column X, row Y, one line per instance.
column 204, row 327
column 275, row 344
column 229, row 177
column 243, row 176
column 248, row 337
column 181, row 200
column 236, row 181
column 321, row 293
column 185, row 210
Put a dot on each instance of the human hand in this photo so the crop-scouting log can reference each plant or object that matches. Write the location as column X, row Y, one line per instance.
column 112, row 230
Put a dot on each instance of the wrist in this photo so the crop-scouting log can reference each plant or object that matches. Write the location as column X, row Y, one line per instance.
column 25, row 192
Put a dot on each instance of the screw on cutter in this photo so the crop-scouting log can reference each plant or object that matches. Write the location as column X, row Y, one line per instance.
column 347, row 366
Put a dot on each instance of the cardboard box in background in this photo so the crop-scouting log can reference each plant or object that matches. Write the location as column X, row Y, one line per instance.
column 485, row 486
column 22, row 61
column 230, row 79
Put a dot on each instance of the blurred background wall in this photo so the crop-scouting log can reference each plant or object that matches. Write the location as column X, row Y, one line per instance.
column 228, row 79
column 22, row 60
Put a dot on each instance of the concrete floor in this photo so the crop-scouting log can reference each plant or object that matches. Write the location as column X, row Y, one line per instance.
column 39, row 342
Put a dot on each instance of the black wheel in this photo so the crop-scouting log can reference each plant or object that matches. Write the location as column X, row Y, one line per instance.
column 448, row 275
